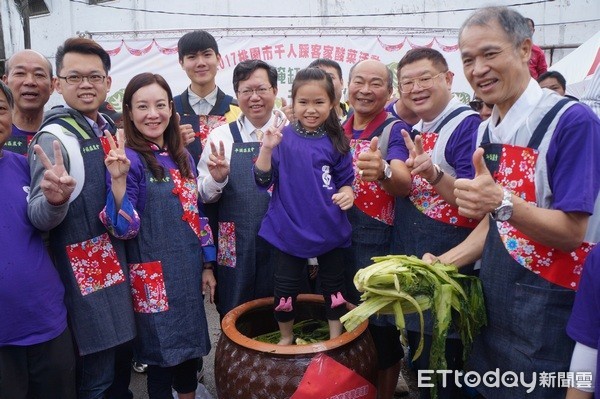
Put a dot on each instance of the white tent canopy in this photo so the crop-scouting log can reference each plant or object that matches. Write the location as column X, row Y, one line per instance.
column 579, row 66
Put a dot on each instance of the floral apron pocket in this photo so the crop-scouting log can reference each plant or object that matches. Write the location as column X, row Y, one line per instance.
column 148, row 287
column 95, row 264
column 226, row 253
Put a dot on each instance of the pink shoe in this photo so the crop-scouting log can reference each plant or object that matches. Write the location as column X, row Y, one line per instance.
column 337, row 300
column 285, row 305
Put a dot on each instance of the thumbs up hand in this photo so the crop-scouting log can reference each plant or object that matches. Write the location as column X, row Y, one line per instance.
column 478, row 196
column 370, row 165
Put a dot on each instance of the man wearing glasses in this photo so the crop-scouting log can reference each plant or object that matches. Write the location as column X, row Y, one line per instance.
column 225, row 178
column 90, row 262
column 440, row 148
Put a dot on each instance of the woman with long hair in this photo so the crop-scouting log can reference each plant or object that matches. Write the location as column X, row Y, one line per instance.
column 153, row 204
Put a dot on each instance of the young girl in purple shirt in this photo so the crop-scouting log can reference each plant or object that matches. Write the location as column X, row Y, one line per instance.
column 309, row 166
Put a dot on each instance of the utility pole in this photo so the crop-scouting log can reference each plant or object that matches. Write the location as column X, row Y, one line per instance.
column 25, row 16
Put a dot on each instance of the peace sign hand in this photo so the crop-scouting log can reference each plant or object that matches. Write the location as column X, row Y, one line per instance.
column 56, row 183
column 116, row 161
column 273, row 135
column 218, row 167
column 418, row 162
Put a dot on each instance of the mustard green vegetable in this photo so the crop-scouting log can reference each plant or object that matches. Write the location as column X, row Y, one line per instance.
column 400, row 284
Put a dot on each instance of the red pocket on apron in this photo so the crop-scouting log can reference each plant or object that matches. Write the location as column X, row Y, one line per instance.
column 148, row 287
column 326, row 378
column 95, row 264
column 226, row 253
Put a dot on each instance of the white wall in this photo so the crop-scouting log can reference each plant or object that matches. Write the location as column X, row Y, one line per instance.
column 557, row 22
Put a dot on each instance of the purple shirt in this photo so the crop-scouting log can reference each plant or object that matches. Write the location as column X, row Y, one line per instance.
column 574, row 161
column 32, row 308
column 16, row 132
column 396, row 146
column 302, row 220
column 391, row 108
column 460, row 147
column 584, row 324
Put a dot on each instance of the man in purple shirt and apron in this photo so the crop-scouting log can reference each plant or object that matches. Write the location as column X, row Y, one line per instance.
column 378, row 152
column 536, row 184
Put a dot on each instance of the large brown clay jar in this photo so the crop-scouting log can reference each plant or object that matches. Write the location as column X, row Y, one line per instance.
column 248, row 369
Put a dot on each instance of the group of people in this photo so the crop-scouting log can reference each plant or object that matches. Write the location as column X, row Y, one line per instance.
column 204, row 194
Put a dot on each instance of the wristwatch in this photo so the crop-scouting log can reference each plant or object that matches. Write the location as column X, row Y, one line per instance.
column 387, row 171
column 505, row 210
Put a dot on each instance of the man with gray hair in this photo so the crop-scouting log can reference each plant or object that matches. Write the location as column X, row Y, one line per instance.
column 378, row 152
column 536, row 182
column 29, row 77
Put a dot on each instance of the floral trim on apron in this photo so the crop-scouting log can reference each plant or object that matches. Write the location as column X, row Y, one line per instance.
column 426, row 199
column 369, row 196
column 226, row 256
column 187, row 191
column 95, row 264
column 148, row 287
column 515, row 170
column 207, row 124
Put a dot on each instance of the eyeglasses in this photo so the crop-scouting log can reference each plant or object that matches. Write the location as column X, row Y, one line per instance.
column 425, row 82
column 76, row 79
column 477, row 105
column 261, row 91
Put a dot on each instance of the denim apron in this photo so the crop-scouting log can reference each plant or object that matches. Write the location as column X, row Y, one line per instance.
column 92, row 263
column 224, row 111
column 527, row 308
column 244, row 260
column 372, row 215
column 17, row 144
column 426, row 222
column 220, row 114
column 165, row 262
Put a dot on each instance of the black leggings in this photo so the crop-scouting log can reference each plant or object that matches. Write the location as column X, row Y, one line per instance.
column 289, row 273
column 181, row 377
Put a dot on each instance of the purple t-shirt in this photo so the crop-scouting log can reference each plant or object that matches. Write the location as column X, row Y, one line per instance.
column 573, row 160
column 459, row 149
column 391, row 108
column 302, row 220
column 584, row 324
column 15, row 131
column 396, row 146
column 32, row 308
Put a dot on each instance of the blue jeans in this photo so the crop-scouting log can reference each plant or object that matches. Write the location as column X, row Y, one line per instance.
column 95, row 374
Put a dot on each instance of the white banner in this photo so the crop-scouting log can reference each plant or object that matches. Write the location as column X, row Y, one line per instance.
column 288, row 54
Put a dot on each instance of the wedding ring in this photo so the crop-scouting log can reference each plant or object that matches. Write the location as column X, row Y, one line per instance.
column 360, row 172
